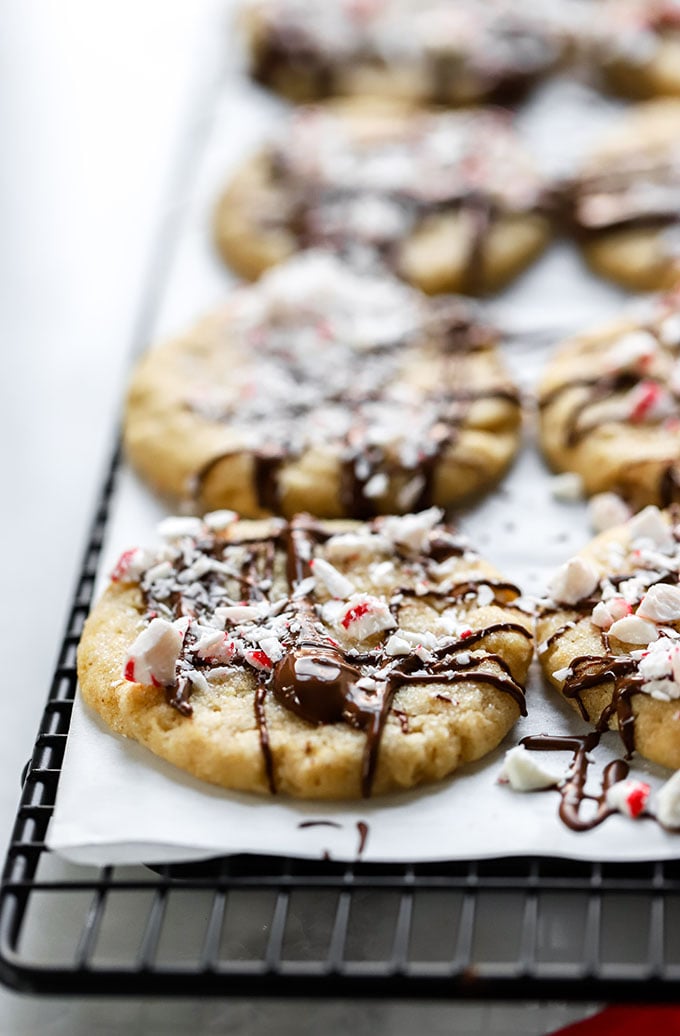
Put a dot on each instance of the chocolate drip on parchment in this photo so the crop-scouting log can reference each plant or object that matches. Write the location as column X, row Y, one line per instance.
column 572, row 789
column 333, row 692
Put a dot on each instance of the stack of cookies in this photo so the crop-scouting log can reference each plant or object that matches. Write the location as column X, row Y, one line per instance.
column 312, row 624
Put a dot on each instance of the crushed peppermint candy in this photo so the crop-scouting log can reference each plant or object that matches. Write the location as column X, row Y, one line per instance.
column 573, row 581
column 633, row 630
column 667, row 802
column 523, row 772
column 649, row 528
column 152, row 658
column 659, row 667
column 130, row 565
column 628, row 797
column 607, row 510
column 568, row 486
column 365, row 616
column 661, row 603
column 335, row 582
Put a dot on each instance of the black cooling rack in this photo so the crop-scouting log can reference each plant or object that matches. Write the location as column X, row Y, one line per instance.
column 272, row 926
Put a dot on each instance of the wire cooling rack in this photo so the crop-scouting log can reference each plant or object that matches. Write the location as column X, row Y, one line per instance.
column 272, row 926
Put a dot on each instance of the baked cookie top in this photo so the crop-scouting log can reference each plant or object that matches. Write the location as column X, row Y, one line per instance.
column 329, row 388
column 609, row 637
column 626, row 200
column 636, row 44
column 317, row 659
column 450, row 200
column 422, row 50
column 610, row 405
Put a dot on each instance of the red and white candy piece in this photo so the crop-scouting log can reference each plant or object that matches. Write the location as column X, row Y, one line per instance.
column 628, row 797
column 605, row 613
column 365, row 616
column 130, row 566
column 153, row 656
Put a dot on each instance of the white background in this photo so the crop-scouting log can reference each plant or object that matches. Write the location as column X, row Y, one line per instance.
column 93, row 102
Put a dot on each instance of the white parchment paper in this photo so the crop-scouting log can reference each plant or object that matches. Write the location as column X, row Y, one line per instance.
column 117, row 803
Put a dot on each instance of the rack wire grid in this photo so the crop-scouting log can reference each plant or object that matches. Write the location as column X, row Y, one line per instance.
column 272, row 926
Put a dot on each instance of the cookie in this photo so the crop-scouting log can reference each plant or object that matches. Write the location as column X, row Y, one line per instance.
column 610, row 405
column 418, row 50
column 320, row 660
column 449, row 200
column 636, row 45
column 609, row 637
column 625, row 203
column 326, row 388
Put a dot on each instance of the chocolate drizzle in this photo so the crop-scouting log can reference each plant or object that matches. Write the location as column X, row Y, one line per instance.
column 316, row 678
column 581, row 417
column 373, row 463
column 572, row 789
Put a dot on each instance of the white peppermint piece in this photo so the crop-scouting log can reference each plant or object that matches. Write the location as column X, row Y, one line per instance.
column 523, row 772
column 273, row 648
column 411, row 530
column 210, row 642
column 573, row 581
column 198, row 680
column 305, row 587
column 216, row 521
column 237, row 613
column 382, row 573
column 365, row 615
column 163, row 570
column 633, row 630
column 632, row 590
column 628, row 797
column 667, row 802
column 347, row 546
column 153, row 656
column 562, row 674
column 315, row 668
column 607, row 510
column 669, row 330
column 397, row 645
column 635, row 348
column 335, row 582
column 648, row 528
column 607, row 612
column 219, row 672
column 661, row 603
column 131, row 565
column 659, row 667
column 485, row 595
column 176, row 527
column 567, row 487
column 601, row 616
column 376, row 485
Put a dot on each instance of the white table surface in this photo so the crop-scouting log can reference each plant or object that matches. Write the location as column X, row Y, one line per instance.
column 93, row 100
